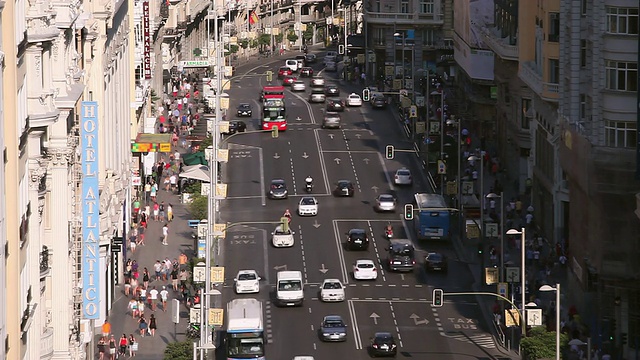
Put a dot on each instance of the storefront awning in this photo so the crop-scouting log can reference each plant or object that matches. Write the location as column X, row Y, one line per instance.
column 146, row 143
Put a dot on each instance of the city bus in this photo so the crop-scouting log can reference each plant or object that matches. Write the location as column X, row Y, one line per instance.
column 245, row 330
column 433, row 221
column 273, row 91
column 273, row 113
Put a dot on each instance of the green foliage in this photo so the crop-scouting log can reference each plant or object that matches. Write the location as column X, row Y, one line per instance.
column 541, row 344
column 205, row 143
column 199, row 207
column 264, row 39
column 193, row 188
column 244, row 43
column 308, row 33
column 253, row 43
column 292, row 36
column 179, row 351
column 233, row 49
column 279, row 37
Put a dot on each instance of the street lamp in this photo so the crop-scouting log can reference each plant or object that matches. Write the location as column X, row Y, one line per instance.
column 557, row 290
column 494, row 196
column 523, row 234
column 404, row 45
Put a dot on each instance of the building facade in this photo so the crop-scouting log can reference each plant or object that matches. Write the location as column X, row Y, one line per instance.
column 597, row 141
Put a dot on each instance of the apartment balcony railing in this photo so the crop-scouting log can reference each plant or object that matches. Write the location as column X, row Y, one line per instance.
column 46, row 344
column 529, row 73
column 499, row 45
column 45, row 266
column 287, row 18
column 182, row 25
column 403, row 18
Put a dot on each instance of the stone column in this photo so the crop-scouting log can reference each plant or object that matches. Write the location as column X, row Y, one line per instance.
column 61, row 307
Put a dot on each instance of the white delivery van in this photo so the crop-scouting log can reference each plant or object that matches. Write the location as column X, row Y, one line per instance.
column 292, row 64
column 289, row 288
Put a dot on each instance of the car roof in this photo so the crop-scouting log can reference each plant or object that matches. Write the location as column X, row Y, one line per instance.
column 353, row 94
column 331, row 281
column 364, row 261
column 333, row 317
column 331, row 85
column 284, row 68
column 344, row 181
column 357, row 231
column 383, row 335
column 240, row 272
column 386, row 196
column 436, row 255
column 332, row 113
column 299, row 81
column 403, row 169
column 277, row 181
column 244, row 104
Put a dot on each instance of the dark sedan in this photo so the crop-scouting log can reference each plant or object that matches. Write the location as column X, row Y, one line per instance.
column 236, row 126
column 357, row 239
column 333, row 328
column 435, row 262
column 244, row 110
column 379, row 102
column 344, row 188
column 310, row 58
column 306, row 72
column 332, row 90
column 335, row 104
column 383, row 344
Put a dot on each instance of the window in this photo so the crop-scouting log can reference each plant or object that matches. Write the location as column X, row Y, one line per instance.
column 526, row 113
column 583, row 53
column 428, row 37
column 622, row 20
column 621, row 76
column 554, row 27
column 583, row 7
column 583, row 107
column 404, row 6
column 426, row 6
column 554, row 71
column 620, row 134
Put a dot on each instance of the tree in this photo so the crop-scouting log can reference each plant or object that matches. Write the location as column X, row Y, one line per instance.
column 307, row 34
column 541, row 344
column 182, row 350
column 233, row 49
column 279, row 38
column 292, row 36
column 199, row 206
column 264, row 39
column 244, row 43
column 253, row 43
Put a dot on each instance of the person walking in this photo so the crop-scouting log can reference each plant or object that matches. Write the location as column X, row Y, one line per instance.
column 174, row 279
column 156, row 211
column 165, row 234
column 140, row 308
column 164, row 295
column 143, row 326
column 133, row 307
column 123, row 342
column 145, row 278
column 106, row 329
column 133, row 346
column 153, row 299
column 112, row 348
column 157, row 268
column 161, row 207
column 152, row 325
column 154, row 191
column 147, row 192
column 170, row 213
column 102, row 347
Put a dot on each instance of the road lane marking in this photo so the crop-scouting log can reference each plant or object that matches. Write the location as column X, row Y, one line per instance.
column 386, row 172
column 343, row 266
column 353, row 165
column 263, row 191
column 350, row 151
column 354, row 322
column 395, row 323
column 375, row 248
column 323, row 166
column 269, row 323
column 304, row 259
column 293, row 170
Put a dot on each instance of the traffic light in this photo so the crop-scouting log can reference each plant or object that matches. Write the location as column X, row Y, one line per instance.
column 389, row 152
column 438, row 297
column 480, row 249
column 623, row 339
column 408, row 212
column 274, row 132
column 366, row 94
column 284, row 222
column 269, row 76
column 341, row 49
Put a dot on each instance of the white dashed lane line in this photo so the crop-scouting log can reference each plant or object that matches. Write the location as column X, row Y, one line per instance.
column 293, row 171
column 353, row 165
column 395, row 323
column 269, row 326
column 375, row 247
column 304, row 258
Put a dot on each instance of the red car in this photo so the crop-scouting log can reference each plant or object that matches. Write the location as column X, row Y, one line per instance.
column 288, row 80
column 306, row 72
column 284, row 71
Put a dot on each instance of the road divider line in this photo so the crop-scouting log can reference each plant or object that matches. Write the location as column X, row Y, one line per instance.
column 323, row 166
column 353, row 165
column 354, row 322
column 395, row 323
column 386, row 172
column 375, row 248
column 263, row 191
column 304, row 259
column 343, row 266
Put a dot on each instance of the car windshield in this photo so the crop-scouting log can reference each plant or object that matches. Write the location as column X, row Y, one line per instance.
column 404, row 172
column 434, row 257
column 332, row 285
column 402, row 250
column 298, row 83
column 244, row 106
column 277, row 185
column 365, row 266
column 386, row 198
column 289, row 285
column 333, row 323
column 308, row 201
column 280, row 232
column 344, row 184
column 357, row 235
column 243, row 277
column 245, row 348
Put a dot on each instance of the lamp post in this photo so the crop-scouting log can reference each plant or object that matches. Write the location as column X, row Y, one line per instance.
column 501, row 197
column 271, row 31
column 402, row 35
column 557, row 290
column 523, row 279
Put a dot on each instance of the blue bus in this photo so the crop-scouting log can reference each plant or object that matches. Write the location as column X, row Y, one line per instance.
column 245, row 330
column 431, row 223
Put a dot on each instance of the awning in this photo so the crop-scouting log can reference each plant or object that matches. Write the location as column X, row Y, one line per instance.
column 194, row 159
column 200, row 173
column 146, row 143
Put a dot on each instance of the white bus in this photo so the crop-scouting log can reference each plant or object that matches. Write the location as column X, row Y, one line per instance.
column 245, row 329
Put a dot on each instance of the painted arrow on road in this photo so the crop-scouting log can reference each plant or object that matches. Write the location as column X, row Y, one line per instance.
column 331, row 136
column 374, row 188
column 280, row 267
column 375, row 318
column 358, row 136
column 316, row 224
column 276, row 156
column 323, row 269
column 304, row 155
column 366, row 161
column 337, row 160
column 298, row 118
column 417, row 320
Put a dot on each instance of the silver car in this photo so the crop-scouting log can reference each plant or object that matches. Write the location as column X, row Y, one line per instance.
column 331, row 120
column 317, row 96
column 298, row 86
column 403, row 177
column 385, row 202
column 317, row 82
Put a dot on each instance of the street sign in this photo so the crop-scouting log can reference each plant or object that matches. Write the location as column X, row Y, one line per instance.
column 224, row 101
column 194, row 315
column 223, row 155
column 404, row 92
column 511, row 317
column 216, row 317
column 491, row 230
column 512, row 274
column 219, row 230
column 223, row 126
column 467, row 188
column 502, row 289
column 421, row 127
column 203, row 229
column 473, row 231
column 205, row 189
column 434, row 127
column 199, row 274
column 452, row 189
column 442, row 167
column 217, row 274
column 221, row 191
column 413, row 111
column 490, row 275
column 420, row 101
column 194, row 63
column 534, row 317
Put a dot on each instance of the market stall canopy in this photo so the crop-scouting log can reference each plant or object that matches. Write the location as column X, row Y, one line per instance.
column 200, row 173
column 194, row 159
column 146, row 143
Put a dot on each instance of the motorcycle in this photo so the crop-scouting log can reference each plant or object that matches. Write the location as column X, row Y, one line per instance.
column 308, row 187
column 388, row 233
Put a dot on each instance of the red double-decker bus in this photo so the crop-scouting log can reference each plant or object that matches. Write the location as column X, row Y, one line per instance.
column 273, row 108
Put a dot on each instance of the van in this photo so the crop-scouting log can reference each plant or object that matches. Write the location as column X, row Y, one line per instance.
column 331, row 56
column 289, row 288
column 292, row 64
column 300, row 59
column 401, row 255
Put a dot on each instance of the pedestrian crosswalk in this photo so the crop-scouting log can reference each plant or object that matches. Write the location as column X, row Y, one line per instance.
column 483, row 340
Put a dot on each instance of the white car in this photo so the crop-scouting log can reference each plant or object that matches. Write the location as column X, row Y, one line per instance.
column 385, row 202
column 303, row 358
column 365, row 269
column 298, row 86
column 247, row 282
column 317, row 82
column 332, row 290
column 403, row 177
column 308, row 206
column 281, row 238
column 354, row 100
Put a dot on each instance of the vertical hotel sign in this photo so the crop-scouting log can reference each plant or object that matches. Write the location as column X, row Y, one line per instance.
column 146, row 40
column 90, row 211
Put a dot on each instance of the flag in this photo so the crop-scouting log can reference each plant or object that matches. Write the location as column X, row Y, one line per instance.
column 253, row 18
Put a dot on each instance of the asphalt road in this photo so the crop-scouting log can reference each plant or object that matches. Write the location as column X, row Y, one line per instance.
column 398, row 303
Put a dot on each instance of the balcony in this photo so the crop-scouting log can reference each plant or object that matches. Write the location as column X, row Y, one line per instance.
column 529, row 73
column 45, row 266
column 384, row 18
column 286, row 18
column 164, row 10
column 499, row 45
column 182, row 25
column 46, row 344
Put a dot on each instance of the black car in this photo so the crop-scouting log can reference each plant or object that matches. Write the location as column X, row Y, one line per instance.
column 335, row 104
column 357, row 239
column 244, row 110
column 383, row 344
column 278, row 189
column 306, row 72
column 344, row 188
column 401, row 255
column 310, row 58
column 236, row 126
column 379, row 102
column 435, row 262
column 333, row 328
column 331, row 90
